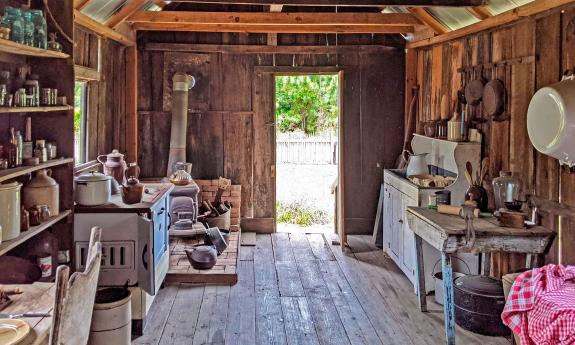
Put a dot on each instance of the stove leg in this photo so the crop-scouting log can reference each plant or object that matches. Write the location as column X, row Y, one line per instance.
column 448, row 303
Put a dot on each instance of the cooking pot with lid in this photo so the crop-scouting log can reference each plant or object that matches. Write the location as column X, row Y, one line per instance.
column 93, row 189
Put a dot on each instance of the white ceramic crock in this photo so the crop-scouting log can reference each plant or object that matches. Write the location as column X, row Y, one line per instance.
column 9, row 211
column 551, row 121
column 92, row 189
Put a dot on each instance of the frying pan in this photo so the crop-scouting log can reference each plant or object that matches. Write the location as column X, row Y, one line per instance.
column 474, row 90
column 494, row 98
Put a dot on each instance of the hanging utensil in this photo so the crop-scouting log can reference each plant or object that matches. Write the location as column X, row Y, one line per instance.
column 469, row 171
column 484, row 167
column 494, row 96
column 474, row 90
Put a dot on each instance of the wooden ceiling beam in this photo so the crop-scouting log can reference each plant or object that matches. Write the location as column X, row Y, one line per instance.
column 427, row 19
column 271, row 18
column 80, row 4
column 127, row 10
column 102, row 30
column 289, row 29
column 504, row 18
column 480, row 12
column 353, row 3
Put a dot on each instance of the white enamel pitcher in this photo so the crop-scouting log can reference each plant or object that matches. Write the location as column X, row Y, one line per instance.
column 416, row 164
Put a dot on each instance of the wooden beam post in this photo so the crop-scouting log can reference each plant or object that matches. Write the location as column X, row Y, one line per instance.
column 132, row 103
column 265, row 22
column 480, row 12
column 128, row 9
column 349, row 3
column 90, row 24
column 504, row 18
column 427, row 19
column 273, row 36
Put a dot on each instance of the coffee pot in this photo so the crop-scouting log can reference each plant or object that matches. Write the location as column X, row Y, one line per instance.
column 416, row 164
column 114, row 165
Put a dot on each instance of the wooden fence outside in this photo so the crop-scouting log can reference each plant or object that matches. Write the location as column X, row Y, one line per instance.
column 319, row 149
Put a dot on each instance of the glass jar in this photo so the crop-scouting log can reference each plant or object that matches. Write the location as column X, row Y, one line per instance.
column 28, row 28
column 506, row 188
column 14, row 18
column 40, row 29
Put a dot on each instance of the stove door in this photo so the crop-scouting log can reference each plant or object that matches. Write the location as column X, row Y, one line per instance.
column 145, row 256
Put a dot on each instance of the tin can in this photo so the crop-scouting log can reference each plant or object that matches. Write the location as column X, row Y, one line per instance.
column 63, row 256
column 45, row 264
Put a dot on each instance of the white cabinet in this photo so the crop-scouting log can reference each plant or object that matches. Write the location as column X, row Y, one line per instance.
column 398, row 238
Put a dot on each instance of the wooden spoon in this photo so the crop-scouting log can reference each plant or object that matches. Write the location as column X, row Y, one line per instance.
column 469, row 172
column 484, row 167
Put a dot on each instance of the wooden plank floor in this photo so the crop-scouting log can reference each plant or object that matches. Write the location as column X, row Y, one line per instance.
column 294, row 289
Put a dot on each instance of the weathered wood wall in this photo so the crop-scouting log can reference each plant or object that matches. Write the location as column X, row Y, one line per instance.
column 549, row 39
column 107, row 96
column 229, row 132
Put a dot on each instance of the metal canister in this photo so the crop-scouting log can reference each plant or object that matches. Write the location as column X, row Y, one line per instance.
column 3, row 94
column 45, row 96
column 52, row 150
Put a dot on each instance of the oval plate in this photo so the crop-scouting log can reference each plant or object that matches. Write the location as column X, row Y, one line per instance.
column 13, row 331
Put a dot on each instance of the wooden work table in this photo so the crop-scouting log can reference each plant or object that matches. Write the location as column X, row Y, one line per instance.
column 447, row 234
column 37, row 298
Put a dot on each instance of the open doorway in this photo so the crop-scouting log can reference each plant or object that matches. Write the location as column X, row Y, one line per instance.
column 307, row 131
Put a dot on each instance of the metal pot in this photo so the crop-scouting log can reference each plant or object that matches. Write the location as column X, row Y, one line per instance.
column 479, row 301
column 9, row 211
column 93, row 189
column 42, row 190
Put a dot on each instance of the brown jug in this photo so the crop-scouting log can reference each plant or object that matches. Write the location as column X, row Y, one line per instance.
column 133, row 190
column 42, row 190
column 114, row 165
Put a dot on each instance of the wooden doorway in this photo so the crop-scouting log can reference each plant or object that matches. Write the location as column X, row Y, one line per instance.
column 265, row 143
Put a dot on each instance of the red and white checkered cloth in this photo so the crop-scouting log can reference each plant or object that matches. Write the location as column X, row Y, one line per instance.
column 541, row 306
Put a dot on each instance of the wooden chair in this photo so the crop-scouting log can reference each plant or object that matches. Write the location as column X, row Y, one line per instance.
column 74, row 300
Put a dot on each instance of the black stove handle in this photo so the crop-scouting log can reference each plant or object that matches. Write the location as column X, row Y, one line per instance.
column 144, row 252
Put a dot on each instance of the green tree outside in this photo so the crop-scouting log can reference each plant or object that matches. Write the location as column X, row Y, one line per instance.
column 306, row 103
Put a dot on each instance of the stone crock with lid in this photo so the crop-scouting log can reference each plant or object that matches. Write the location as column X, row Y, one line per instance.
column 10, row 211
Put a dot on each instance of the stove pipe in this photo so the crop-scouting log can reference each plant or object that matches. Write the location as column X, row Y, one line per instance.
column 181, row 84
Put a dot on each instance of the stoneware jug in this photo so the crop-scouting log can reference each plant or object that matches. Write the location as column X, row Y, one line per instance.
column 416, row 164
column 114, row 165
column 42, row 190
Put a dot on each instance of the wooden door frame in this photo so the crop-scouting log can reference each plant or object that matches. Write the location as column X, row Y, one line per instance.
column 311, row 70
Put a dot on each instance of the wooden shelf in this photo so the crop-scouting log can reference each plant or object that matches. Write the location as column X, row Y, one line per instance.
column 10, row 47
column 6, row 246
column 12, row 110
column 9, row 174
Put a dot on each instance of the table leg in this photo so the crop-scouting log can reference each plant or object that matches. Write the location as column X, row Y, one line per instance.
column 420, row 272
column 448, row 303
column 486, row 261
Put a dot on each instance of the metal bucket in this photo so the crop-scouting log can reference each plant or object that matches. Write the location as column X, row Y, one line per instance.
column 438, row 278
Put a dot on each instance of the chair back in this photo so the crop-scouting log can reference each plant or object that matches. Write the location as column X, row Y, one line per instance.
column 74, row 300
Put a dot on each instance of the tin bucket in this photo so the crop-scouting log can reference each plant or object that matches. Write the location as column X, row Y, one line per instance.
column 438, row 278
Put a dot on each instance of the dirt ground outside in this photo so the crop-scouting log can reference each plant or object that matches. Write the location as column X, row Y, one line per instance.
column 308, row 186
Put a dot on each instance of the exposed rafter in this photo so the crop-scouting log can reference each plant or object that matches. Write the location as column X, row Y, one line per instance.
column 357, row 3
column 279, row 22
column 91, row 24
column 427, row 19
column 504, row 18
column 272, row 18
column 80, row 4
column 272, row 37
column 128, row 9
column 480, row 12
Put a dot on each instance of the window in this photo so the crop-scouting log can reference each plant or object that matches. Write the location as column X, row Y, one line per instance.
column 80, row 117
